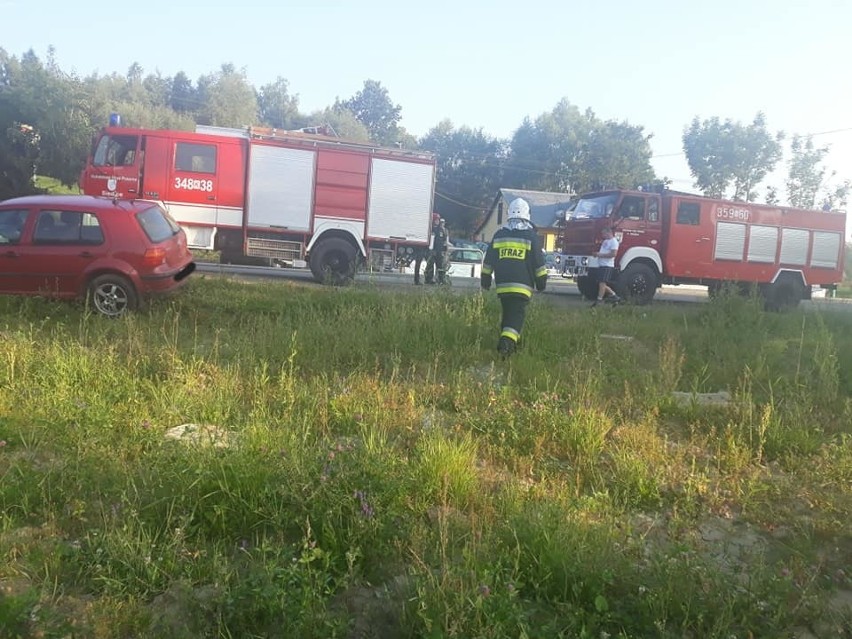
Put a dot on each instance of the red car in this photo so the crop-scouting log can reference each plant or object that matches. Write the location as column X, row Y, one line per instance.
column 114, row 252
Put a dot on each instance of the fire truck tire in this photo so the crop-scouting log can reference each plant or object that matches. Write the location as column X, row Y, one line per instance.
column 588, row 287
column 784, row 294
column 637, row 283
column 333, row 261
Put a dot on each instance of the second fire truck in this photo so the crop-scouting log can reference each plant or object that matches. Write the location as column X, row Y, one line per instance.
column 669, row 237
column 287, row 198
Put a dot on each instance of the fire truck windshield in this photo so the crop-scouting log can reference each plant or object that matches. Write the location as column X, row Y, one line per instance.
column 593, row 207
column 115, row 150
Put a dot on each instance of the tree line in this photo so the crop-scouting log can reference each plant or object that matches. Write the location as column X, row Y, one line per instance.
column 48, row 117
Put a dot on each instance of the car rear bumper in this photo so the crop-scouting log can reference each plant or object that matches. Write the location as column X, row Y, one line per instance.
column 167, row 280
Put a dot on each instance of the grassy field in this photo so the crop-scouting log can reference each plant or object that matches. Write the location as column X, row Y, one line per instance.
column 54, row 186
column 365, row 467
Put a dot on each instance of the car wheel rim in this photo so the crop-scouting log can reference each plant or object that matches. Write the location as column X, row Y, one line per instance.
column 110, row 299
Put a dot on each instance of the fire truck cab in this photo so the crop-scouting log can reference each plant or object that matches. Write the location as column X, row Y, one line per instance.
column 671, row 237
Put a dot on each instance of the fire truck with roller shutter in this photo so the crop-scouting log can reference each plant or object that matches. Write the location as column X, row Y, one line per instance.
column 274, row 197
column 670, row 237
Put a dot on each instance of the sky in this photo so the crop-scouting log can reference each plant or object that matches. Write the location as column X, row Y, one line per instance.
column 488, row 65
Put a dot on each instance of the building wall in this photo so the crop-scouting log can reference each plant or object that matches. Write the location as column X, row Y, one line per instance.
column 497, row 218
column 548, row 240
column 494, row 221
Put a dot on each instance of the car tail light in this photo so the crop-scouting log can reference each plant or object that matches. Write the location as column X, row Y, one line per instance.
column 154, row 257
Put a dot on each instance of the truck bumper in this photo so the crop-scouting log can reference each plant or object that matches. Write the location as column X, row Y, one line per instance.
column 574, row 266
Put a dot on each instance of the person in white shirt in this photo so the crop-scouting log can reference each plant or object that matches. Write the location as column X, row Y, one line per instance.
column 606, row 266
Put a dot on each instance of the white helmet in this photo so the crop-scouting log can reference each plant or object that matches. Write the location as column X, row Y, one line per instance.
column 519, row 209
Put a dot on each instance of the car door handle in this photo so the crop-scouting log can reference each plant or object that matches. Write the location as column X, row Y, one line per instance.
column 10, row 254
column 86, row 254
column 702, row 239
column 211, row 197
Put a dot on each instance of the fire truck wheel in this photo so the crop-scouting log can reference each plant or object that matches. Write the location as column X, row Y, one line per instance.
column 588, row 287
column 638, row 283
column 784, row 294
column 333, row 261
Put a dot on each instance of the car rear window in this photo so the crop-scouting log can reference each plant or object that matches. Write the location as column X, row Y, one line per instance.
column 157, row 224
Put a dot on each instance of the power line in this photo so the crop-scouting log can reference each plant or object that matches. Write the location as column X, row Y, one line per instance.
column 469, row 206
column 811, row 135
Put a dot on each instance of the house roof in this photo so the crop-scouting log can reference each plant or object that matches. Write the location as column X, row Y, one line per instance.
column 544, row 205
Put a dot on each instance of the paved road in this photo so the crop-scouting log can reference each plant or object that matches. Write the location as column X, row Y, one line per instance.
column 555, row 286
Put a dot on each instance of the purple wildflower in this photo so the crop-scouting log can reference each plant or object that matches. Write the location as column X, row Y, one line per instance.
column 366, row 509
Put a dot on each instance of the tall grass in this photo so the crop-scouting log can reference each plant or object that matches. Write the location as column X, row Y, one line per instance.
column 376, row 471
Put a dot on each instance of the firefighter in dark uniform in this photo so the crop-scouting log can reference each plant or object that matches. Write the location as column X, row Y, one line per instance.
column 427, row 252
column 438, row 259
column 516, row 261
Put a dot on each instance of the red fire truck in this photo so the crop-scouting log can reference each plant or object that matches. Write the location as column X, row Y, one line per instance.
column 669, row 237
column 287, row 198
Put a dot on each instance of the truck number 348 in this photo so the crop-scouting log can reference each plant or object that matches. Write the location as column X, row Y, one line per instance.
column 190, row 184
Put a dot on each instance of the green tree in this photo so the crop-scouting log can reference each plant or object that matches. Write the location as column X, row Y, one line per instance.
column 806, row 173
column 54, row 105
column 545, row 154
column 772, row 195
column 469, row 172
column 227, row 98
column 836, row 195
column 276, row 106
column 616, row 155
column 109, row 94
column 567, row 150
column 19, row 148
column 182, row 95
column 373, row 107
column 134, row 89
column 342, row 121
column 157, row 89
column 729, row 156
column 807, row 184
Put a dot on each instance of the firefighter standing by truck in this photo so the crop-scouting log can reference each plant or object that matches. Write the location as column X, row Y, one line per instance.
column 516, row 261
column 438, row 257
column 427, row 252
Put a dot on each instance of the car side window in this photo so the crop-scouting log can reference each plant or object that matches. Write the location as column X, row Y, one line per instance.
column 688, row 213
column 67, row 227
column 90, row 229
column 12, row 225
